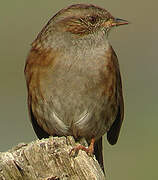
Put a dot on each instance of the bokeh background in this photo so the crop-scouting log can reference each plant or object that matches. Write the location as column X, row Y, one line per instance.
column 135, row 156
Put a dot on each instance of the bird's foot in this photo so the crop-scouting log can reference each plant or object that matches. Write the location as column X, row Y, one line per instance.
column 89, row 150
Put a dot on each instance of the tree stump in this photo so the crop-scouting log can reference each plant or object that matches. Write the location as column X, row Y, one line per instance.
column 48, row 159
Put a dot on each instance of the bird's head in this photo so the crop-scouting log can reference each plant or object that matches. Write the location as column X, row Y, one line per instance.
column 79, row 21
column 82, row 19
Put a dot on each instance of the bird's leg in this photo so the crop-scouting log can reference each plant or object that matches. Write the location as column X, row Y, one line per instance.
column 88, row 150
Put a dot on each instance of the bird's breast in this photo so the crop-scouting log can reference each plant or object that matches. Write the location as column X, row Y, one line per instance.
column 77, row 92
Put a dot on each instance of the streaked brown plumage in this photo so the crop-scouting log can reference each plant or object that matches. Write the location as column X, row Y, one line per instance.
column 73, row 78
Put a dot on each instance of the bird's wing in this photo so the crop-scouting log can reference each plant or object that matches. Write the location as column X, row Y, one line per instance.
column 34, row 59
column 38, row 130
column 114, row 131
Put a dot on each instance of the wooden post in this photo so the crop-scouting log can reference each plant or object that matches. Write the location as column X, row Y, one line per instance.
column 48, row 159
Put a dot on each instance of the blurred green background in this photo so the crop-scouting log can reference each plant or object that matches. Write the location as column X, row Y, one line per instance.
column 135, row 155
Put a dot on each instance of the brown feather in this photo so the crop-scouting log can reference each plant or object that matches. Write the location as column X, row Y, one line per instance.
column 114, row 131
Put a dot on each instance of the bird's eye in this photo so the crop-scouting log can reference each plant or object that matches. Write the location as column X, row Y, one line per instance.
column 93, row 19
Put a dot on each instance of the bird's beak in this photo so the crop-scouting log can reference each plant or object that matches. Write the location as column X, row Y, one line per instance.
column 114, row 22
column 119, row 22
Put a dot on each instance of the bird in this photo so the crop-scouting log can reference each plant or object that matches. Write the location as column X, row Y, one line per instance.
column 73, row 78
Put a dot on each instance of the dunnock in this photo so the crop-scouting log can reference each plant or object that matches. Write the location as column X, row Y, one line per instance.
column 73, row 78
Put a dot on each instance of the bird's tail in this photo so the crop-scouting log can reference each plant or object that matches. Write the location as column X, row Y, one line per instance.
column 98, row 152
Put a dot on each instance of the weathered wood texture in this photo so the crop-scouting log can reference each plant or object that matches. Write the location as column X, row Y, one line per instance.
column 48, row 159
